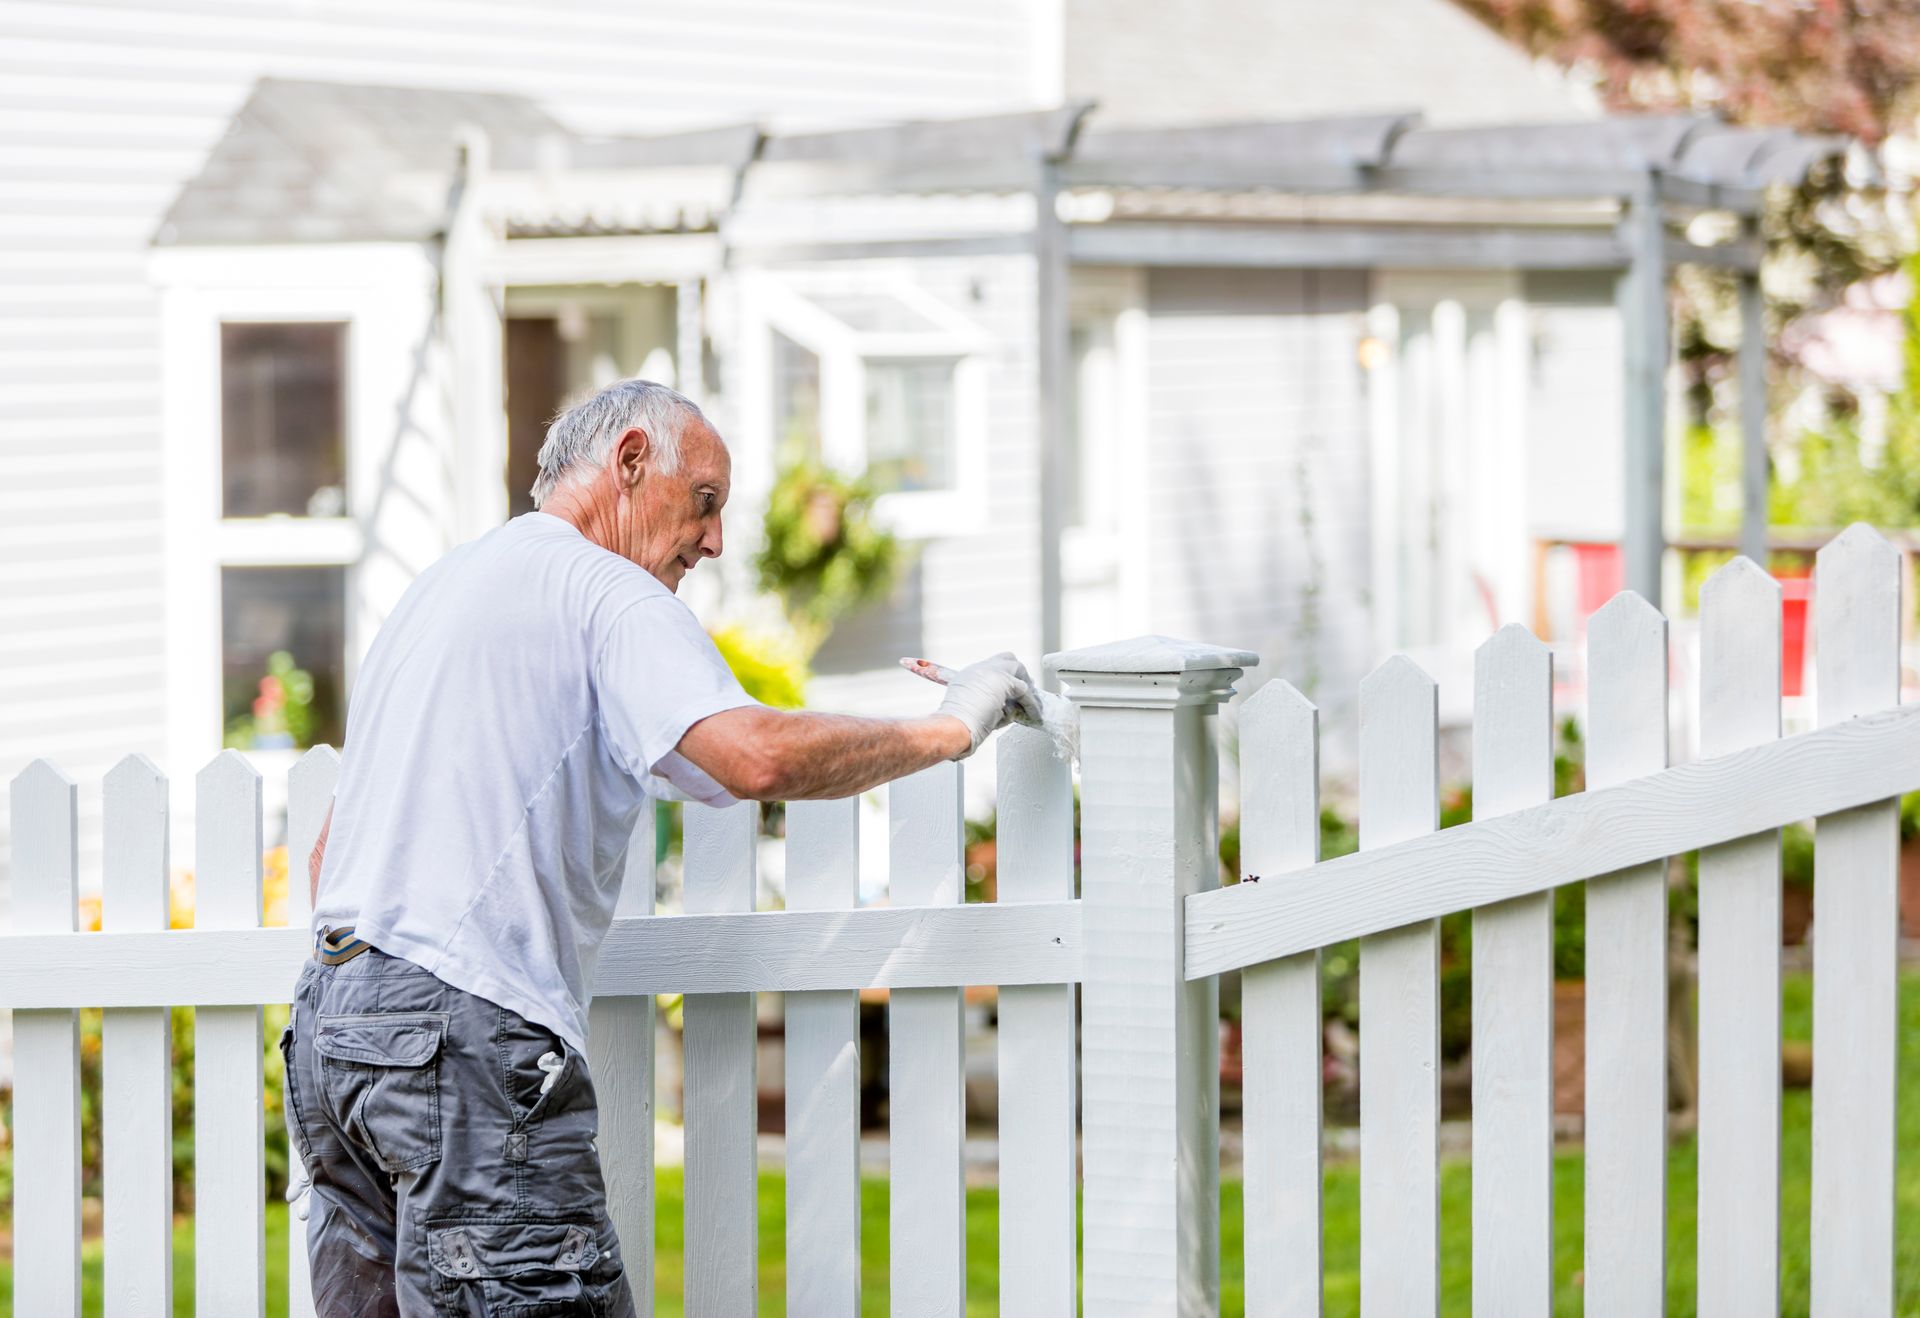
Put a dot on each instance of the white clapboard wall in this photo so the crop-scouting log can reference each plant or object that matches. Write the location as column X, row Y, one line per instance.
column 1104, row 950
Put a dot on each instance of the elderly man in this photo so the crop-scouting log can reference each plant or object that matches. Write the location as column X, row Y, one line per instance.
column 531, row 693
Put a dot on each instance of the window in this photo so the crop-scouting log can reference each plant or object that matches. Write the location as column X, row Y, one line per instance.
column 282, row 656
column 910, row 440
column 796, row 400
column 283, row 442
column 886, row 382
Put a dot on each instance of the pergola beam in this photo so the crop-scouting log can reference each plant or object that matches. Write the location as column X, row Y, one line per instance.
column 1641, row 295
column 1343, row 247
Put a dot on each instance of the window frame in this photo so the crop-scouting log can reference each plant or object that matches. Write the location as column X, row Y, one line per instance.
column 776, row 306
column 383, row 295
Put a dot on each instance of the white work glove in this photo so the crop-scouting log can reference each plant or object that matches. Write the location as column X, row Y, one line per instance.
column 988, row 695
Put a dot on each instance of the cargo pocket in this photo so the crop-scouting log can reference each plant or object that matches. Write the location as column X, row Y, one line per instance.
column 523, row 1269
column 380, row 1075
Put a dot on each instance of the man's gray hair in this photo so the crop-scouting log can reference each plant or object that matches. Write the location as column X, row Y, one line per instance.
column 580, row 438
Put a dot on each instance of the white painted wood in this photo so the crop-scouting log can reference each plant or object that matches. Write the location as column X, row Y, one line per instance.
column 1739, row 1101
column 1855, row 953
column 765, row 952
column 1399, row 1009
column 722, row 1097
column 136, row 1079
column 1592, row 833
column 1626, row 1109
column 310, row 785
column 1150, row 1052
column 926, row 1053
column 823, row 1078
column 620, row 1060
column 1280, row 1045
column 1512, row 994
column 1039, row 1171
column 46, row 1055
column 229, row 1122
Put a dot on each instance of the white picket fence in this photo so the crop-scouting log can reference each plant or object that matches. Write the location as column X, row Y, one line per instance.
column 1142, row 946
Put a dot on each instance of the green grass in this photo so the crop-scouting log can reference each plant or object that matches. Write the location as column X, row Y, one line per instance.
column 1342, row 1211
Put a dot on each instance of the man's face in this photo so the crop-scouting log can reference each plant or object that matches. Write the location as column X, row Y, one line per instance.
column 674, row 518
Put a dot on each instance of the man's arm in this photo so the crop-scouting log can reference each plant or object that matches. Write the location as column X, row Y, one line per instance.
column 314, row 858
column 761, row 754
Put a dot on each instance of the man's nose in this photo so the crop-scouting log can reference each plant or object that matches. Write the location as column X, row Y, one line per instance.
column 710, row 542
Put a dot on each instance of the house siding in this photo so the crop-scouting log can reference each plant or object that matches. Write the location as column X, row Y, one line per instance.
column 1257, row 467
column 106, row 109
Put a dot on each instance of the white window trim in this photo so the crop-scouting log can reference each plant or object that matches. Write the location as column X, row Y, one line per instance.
column 772, row 306
column 376, row 290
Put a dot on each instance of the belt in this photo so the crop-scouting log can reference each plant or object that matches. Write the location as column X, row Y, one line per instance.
column 336, row 946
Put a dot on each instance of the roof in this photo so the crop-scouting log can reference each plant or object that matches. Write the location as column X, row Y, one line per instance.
column 336, row 162
column 320, row 162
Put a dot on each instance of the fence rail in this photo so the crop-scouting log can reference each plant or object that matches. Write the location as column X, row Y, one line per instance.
column 1120, row 1115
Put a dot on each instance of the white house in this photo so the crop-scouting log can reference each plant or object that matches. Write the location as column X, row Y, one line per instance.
column 1292, row 341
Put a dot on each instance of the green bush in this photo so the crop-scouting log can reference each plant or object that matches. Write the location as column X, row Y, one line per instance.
column 823, row 555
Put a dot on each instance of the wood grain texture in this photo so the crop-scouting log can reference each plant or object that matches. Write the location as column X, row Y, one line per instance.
column 229, row 1120
column 136, row 1077
column 823, row 1078
column 1512, row 994
column 926, row 1049
column 1399, row 1009
column 1626, row 1110
column 46, row 1055
column 620, row 1059
column 1039, row 1172
column 310, row 785
column 1739, row 1101
column 722, row 1089
column 1856, row 902
column 1597, row 832
column 1280, row 1044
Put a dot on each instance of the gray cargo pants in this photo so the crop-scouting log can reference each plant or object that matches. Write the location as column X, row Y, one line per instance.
column 450, row 1147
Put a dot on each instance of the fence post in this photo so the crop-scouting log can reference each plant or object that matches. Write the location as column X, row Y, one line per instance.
column 1149, row 790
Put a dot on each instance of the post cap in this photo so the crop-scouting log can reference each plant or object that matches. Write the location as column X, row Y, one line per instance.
column 1150, row 654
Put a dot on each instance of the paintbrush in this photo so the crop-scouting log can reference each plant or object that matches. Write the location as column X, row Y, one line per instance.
column 1058, row 718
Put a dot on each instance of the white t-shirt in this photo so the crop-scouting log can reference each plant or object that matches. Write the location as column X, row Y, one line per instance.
column 507, row 727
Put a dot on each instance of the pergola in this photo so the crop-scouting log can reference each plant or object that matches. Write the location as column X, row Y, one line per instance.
column 1381, row 191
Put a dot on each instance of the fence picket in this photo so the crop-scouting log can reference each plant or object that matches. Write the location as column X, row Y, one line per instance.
column 1856, row 924
column 1512, row 994
column 620, row 1060
column 1626, row 1100
column 136, row 1079
column 310, row 786
column 46, row 1055
column 926, row 1051
column 1280, row 1045
column 1038, row 1173
column 722, row 1098
column 1399, row 1009
column 823, row 1078
column 1739, row 1101
column 229, row 1122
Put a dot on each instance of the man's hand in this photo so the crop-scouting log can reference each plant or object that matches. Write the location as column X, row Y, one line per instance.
column 988, row 695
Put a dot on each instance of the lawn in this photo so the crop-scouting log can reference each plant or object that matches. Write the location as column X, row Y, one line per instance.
column 1342, row 1220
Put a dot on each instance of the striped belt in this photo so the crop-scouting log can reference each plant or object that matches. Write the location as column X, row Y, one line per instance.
column 336, row 946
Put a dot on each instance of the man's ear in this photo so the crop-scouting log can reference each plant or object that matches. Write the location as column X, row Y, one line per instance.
column 630, row 457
